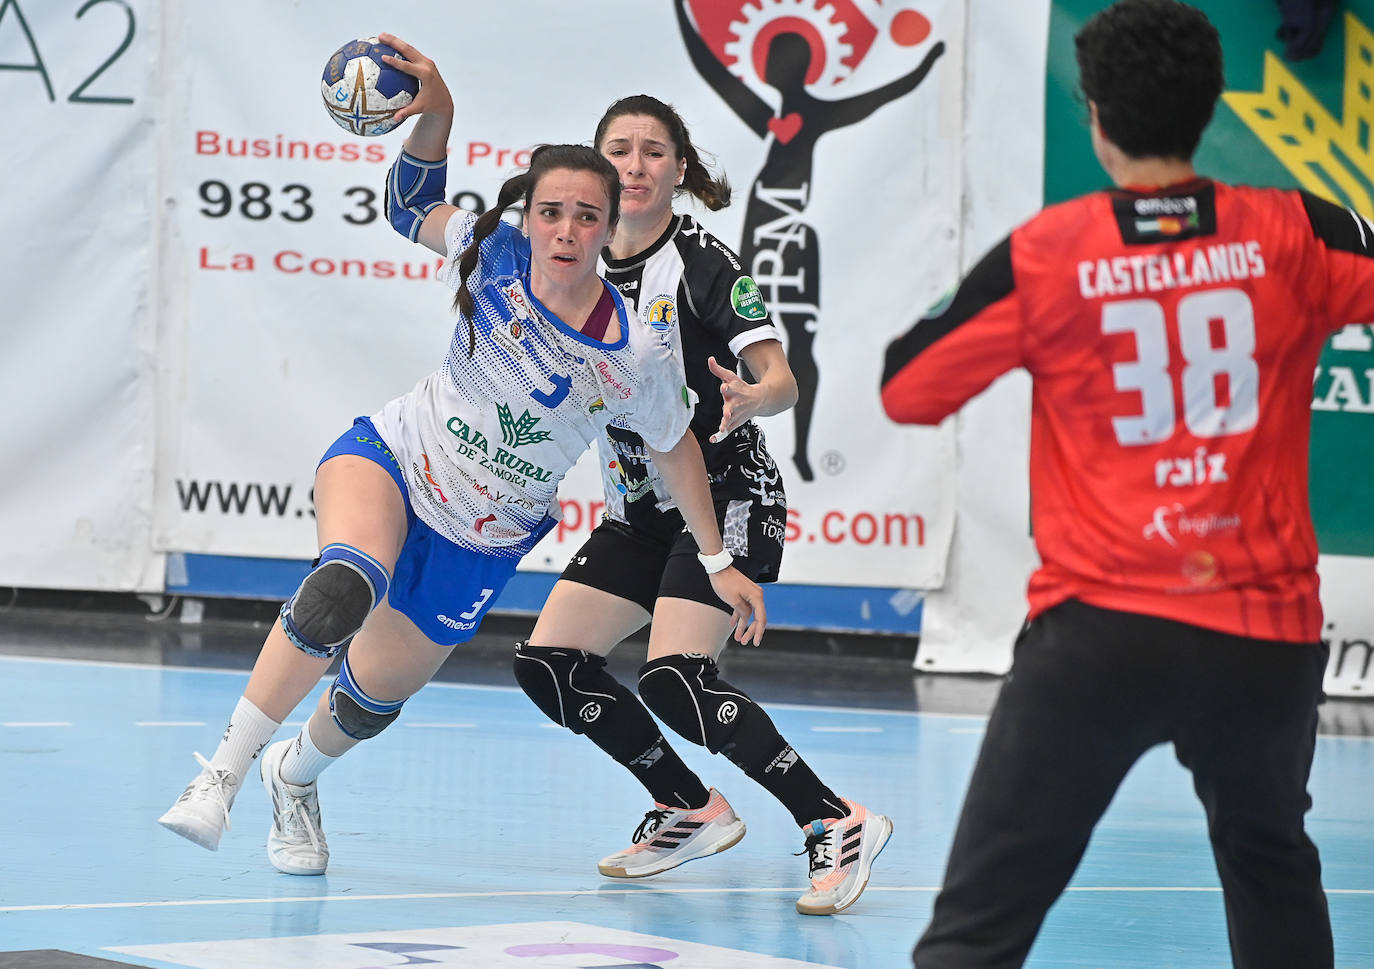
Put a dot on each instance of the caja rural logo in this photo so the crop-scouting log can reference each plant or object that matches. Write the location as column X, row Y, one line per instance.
column 784, row 67
column 1330, row 158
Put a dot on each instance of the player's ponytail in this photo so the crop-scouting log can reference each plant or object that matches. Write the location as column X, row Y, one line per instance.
column 513, row 188
column 712, row 190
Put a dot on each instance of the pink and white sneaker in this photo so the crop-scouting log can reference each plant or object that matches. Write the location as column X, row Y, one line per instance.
column 841, row 853
column 667, row 837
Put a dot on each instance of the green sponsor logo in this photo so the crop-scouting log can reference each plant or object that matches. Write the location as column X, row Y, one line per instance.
column 747, row 300
column 518, row 432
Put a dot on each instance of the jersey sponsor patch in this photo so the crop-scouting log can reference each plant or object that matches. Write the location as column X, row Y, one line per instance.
column 1165, row 218
column 747, row 300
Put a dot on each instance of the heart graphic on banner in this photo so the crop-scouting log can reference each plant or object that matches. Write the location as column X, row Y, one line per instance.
column 786, row 127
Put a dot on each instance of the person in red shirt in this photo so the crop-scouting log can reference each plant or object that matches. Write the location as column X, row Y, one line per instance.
column 1171, row 327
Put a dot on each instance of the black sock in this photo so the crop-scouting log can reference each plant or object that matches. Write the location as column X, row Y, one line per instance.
column 788, row 778
column 667, row 779
column 630, row 735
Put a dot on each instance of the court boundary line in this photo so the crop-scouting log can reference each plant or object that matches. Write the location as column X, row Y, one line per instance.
column 595, row 892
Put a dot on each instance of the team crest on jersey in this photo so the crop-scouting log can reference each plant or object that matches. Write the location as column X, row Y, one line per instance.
column 508, row 338
column 747, row 300
column 662, row 313
column 596, row 405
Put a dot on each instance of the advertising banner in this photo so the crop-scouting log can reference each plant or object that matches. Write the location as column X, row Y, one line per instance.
column 80, row 276
column 298, row 308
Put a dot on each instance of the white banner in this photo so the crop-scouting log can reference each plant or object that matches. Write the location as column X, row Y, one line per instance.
column 297, row 307
column 79, row 283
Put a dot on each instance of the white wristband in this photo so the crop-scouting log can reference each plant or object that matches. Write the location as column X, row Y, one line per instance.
column 716, row 563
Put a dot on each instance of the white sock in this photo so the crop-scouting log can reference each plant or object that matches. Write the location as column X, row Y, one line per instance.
column 304, row 762
column 247, row 733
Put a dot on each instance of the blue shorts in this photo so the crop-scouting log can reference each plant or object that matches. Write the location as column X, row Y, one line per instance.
column 443, row 588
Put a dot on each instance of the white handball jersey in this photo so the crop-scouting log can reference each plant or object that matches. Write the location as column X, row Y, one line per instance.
column 485, row 439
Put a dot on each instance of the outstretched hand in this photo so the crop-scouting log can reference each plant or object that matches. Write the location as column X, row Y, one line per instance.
column 434, row 96
column 742, row 399
column 745, row 598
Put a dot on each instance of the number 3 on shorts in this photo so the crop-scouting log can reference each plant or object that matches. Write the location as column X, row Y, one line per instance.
column 477, row 606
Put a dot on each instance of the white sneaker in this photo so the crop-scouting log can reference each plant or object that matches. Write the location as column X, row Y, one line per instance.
column 667, row 837
column 841, row 853
column 296, row 843
column 201, row 814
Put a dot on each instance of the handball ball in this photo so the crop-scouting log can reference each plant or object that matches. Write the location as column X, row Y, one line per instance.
column 361, row 92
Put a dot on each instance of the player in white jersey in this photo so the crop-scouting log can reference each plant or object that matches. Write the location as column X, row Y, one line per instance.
column 425, row 508
column 641, row 562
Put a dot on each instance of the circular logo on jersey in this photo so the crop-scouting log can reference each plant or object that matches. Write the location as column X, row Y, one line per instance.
column 727, row 712
column 590, row 712
column 662, row 314
column 1199, row 567
column 746, row 299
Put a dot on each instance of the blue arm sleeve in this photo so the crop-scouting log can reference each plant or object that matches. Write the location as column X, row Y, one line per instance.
column 413, row 187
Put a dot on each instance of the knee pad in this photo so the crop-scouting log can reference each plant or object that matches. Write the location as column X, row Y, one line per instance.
column 356, row 713
column 572, row 687
column 686, row 692
column 334, row 600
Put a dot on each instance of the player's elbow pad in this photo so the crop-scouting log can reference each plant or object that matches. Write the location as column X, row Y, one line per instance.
column 413, row 187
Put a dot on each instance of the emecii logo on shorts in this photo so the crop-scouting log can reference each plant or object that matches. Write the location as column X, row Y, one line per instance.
column 456, row 623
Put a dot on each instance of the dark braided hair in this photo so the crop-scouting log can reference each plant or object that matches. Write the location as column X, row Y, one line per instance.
column 545, row 158
column 1154, row 70
column 713, row 191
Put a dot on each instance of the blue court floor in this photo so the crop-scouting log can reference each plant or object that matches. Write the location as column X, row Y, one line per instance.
column 467, row 836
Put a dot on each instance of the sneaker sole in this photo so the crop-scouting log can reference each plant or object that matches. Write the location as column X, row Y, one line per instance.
column 728, row 840
column 287, row 868
column 849, row 900
column 193, row 831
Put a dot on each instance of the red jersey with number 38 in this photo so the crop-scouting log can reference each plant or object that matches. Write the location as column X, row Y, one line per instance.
column 1172, row 338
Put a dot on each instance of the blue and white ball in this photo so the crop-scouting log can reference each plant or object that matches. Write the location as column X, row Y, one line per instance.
column 361, row 92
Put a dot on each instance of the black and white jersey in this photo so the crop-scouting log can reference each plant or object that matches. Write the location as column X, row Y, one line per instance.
column 691, row 285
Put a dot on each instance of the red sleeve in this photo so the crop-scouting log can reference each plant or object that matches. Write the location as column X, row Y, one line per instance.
column 964, row 345
column 1348, row 240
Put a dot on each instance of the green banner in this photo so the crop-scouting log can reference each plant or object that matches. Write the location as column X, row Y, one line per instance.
column 1303, row 124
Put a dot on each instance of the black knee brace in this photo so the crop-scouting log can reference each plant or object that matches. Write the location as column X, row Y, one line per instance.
column 574, row 690
column 355, row 713
column 686, row 692
column 334, row 600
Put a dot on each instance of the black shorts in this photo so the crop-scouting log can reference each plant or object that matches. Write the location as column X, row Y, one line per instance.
column 641, row 566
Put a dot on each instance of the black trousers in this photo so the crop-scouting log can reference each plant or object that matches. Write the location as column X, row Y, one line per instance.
column 1091, row 690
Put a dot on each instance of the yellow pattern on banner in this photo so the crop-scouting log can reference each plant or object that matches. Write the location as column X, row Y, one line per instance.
column 1322, row 153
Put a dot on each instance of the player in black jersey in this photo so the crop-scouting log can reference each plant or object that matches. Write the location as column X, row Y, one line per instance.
column 640, row 562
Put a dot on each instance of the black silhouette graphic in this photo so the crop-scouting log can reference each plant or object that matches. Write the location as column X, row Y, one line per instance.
column 778, row 248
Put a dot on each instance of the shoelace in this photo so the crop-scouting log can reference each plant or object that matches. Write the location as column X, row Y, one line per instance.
column 212, row 781
column 297, row 817
column 820, row 852
column 653, row 820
